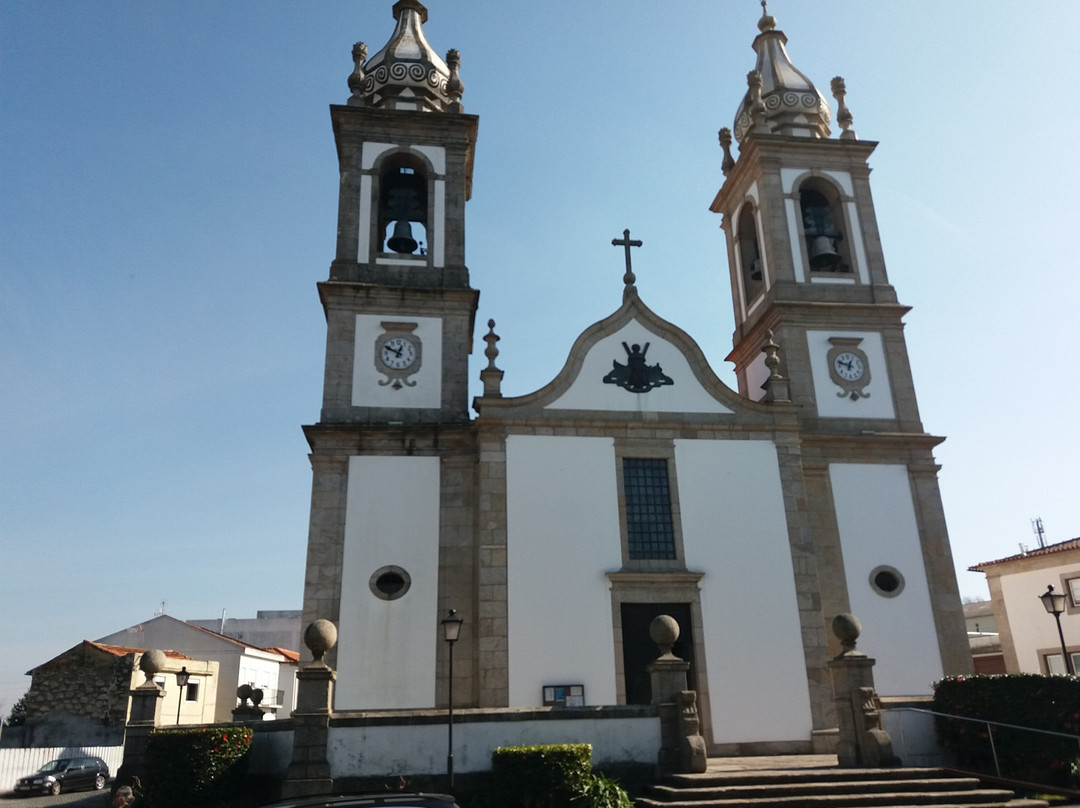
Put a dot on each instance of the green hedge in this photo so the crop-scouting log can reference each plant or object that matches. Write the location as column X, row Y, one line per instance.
column 203, row 767
column 553, row 776
column 1026, row 700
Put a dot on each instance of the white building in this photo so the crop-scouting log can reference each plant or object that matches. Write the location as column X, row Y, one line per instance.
column 559, row 523
column 239, row 663
column 1029, row 635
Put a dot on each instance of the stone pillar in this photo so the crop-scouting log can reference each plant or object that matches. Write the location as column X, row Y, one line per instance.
column 143, row 719
column 244, row 712
column 682, row 748
column 309, row 770
column 862, row 742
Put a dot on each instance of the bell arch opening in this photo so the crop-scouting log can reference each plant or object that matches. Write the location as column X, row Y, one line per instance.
column 403, row 205
column 823, row 226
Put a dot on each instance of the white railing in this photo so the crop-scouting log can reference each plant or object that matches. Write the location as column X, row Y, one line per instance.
column 16, row 763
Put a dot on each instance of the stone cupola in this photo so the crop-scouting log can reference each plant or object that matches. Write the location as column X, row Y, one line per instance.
column 407, row 73
column 787, row 102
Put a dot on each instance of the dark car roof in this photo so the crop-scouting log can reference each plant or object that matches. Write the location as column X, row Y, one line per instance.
column 369, row 800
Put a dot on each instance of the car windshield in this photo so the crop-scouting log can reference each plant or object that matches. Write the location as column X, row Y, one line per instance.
column 55, row 766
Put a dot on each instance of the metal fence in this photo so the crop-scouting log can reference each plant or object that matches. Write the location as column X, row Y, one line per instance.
column 983, row 740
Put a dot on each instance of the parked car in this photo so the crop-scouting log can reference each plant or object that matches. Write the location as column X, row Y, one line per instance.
column 65, row 774
column 370, row 801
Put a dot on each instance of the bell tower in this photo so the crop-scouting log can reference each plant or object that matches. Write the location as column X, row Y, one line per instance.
column 393, row 451
column 806, row 267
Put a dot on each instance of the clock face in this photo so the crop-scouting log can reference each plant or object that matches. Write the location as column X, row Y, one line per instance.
column 398, row 353
column 848, row 366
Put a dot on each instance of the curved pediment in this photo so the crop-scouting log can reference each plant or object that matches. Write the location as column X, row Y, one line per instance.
column 634, row 362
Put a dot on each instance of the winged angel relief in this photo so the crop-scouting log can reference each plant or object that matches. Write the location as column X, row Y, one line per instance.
column 635, row 375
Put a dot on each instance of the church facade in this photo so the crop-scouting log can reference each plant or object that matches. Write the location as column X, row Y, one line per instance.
column 635, row 483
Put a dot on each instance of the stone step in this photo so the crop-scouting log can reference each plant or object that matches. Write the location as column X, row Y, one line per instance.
column 810, row 788
column 829, row 788
column 805, row 776
column 974, row 798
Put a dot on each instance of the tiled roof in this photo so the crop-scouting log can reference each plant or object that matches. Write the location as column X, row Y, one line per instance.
column 291, row 656
column 1051, row 549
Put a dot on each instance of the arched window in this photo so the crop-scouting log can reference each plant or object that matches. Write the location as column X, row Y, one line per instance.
column 823, row 223
column 403, row 205
column 749, row 253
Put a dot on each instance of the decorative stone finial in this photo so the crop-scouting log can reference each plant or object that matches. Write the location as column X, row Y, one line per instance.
column 725, row 144
column 152, row 662
column 356, row 78
column 320, row 637
column 664, row 631
column 767, row 21
column 843, row 114
column 776, row 387
column 757, row 104
column 454, row 87
column 847, row 629
column 491, row 376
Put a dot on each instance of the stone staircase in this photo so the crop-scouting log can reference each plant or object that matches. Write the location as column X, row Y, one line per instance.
column 829, row 788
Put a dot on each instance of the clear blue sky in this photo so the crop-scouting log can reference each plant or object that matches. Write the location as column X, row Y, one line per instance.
column 169, row 185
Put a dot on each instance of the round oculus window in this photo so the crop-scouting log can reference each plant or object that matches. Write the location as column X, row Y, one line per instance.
column 886, row 581
column 389, row 583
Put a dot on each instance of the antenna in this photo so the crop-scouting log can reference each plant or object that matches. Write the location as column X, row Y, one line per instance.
column 160, row 611
column 1040, row 534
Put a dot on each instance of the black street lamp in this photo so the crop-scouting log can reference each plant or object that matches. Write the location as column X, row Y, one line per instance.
column 182, row 677
column 451, row 626
column 1054, row 603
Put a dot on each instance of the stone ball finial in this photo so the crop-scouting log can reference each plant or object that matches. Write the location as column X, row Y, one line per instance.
column 664, row 631
column 847, row 629
column 320, row 637
column 152, row 662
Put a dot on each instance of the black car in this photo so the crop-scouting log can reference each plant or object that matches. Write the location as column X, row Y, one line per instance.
column 370, row 801
column 65, row 774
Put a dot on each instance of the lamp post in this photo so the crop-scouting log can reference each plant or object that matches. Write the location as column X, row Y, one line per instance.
column 451, row 626
column 1054, row 603
column 182, row 677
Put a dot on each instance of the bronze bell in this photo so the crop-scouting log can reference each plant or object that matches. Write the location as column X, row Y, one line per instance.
column 402, row 241
column 823, row 254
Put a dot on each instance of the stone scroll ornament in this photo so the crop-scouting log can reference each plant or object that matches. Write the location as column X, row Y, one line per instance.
column 635, row 375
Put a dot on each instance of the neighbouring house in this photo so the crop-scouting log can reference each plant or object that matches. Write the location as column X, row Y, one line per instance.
column 240, row 663
column 1030, row 642
column 268, row 629
column 82, row 696
column 983, row 637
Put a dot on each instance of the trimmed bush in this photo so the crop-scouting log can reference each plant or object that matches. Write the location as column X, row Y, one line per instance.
column 553, row 776
column 1026, row 700
column 203, row 767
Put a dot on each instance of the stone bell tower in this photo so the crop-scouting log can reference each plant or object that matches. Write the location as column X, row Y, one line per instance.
column 806, row 264
column 392, row 453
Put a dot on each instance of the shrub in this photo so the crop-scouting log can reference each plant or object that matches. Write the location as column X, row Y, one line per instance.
column 204, row 766
column 1025, row 700
column 553, row 776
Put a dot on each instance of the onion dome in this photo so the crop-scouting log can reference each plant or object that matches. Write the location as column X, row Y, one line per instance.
column 406, row 73
column 781, row 100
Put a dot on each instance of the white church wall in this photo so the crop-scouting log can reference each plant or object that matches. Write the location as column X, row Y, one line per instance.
column 562, row 535
column 589, row 393
column 735, row 531
column 1034, row 631
column 830, row 404
column 420, row 748
column 876, row 519
column 368, row 387
column 386, row 648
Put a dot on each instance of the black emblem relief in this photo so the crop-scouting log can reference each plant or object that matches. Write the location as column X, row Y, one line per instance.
column 635, row 375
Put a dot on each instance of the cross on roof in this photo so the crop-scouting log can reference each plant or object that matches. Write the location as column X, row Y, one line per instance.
column 626, row 242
